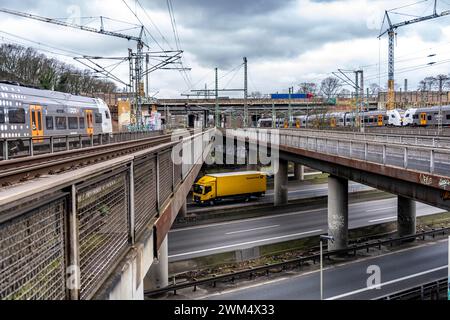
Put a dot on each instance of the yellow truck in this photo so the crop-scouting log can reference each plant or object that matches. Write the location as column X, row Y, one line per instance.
column 212, row 188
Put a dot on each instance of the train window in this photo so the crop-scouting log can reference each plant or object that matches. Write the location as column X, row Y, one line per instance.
column 448, row 117
column 392, row 116
column 16, row 115
column 82, row 126
column 49, row 123
column 430, row 117
column 61, row 123
column 107, row 114
column 73, row 123
column 2, row 115
column 386, row 118
column 416, row 116
column 98, row 118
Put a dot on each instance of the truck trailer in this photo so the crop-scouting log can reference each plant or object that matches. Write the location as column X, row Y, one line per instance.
column 212, row 188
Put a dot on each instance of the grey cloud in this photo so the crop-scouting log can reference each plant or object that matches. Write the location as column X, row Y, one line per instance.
column 223, row 7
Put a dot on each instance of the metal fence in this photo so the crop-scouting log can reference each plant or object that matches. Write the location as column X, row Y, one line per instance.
column 103, row 219
column 435, row 290
column 145, row 188
column 32, row 253
column 90, row 223
column 434, row 160
column 31, row 146
column 392, row 137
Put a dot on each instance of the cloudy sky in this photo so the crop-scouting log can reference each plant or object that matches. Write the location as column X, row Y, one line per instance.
column 286, row 41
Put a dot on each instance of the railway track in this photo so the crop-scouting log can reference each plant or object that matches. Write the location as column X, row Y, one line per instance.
column 29, row 168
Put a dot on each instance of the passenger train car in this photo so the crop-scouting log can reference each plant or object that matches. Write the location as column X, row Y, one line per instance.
column 340, row 119
column 427, row 116
column 29, row 112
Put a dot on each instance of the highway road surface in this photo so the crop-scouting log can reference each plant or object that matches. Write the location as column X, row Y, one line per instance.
column 205, row 240
column 296, row 191
column 398, row 271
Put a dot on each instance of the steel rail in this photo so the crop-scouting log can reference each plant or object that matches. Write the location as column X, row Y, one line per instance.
column 24, row 169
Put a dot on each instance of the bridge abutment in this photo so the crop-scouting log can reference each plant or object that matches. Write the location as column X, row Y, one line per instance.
column 406, row 216
column 281, row 183
column 337, row 212
column 158, row 275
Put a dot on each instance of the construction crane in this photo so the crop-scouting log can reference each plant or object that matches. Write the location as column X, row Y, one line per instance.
column 391, row 31
column 138, row 65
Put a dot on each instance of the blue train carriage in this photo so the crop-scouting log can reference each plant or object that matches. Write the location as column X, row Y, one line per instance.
column 28, row 112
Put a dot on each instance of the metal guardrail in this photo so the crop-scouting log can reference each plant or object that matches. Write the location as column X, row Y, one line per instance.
column 434, row 290
column 412, row 131
column 250, row 273
column 89, row 221
column 432, row 160
column 30, row 146
column 426, row 159
column 395, row 138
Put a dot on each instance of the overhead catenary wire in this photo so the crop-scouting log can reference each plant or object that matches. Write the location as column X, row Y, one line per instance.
column 150, row 34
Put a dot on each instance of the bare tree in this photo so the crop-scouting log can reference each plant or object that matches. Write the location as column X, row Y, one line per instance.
column 427, row 84
column 441, row 78
column 27, row 66
column 330, row 86
column 307, row 87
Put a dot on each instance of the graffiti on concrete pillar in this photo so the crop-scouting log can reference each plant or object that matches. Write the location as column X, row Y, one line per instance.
column 336, row 222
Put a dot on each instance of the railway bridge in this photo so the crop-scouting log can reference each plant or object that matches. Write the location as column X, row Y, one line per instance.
column 98, row 231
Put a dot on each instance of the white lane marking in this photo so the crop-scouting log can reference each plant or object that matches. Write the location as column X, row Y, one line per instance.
column 382, row 219
column 324, row 188
column 387, row 283
column 336, row 267
column 245, row 243
column 275, row 216
column 254, row 229
column 248, row 220
column 380, row 209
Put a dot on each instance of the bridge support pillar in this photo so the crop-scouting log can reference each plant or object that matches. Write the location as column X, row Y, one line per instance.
column 406, row 216
column 299, row 172
column 158, row 275
column 281, row 183
column 183, row 210
column 337, row 212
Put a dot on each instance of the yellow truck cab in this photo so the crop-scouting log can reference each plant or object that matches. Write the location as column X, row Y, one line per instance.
column 212, row 188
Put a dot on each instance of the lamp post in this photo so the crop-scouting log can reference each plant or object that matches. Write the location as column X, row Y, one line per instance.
column 323, row 238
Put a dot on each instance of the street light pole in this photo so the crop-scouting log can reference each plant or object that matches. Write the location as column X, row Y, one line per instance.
column 321, row 270
column 323, row 238
column 290, row 107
